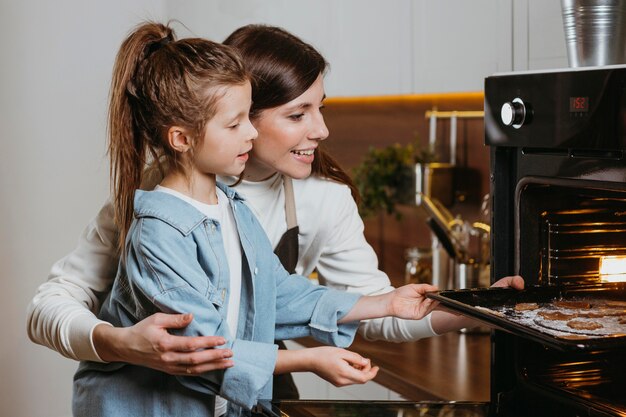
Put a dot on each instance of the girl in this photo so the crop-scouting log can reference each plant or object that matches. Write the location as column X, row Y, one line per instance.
column 192, row 245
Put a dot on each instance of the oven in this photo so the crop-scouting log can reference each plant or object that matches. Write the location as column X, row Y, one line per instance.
column 558, row 180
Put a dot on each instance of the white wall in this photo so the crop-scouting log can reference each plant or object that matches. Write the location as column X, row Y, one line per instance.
column 56, row 66
column 366, row 42
column 56, row 59
column 376, row 47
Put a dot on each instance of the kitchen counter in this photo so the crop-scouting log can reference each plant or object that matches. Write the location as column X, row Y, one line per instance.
column 453, row 366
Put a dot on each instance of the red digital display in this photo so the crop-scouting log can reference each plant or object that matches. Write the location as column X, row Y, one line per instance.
column 579, row 104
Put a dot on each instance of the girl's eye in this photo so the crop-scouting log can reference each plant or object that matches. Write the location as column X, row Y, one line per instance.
column 235, row 126
column 296, row 117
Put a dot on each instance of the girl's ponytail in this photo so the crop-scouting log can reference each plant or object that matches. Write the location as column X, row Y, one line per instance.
column 128, row 138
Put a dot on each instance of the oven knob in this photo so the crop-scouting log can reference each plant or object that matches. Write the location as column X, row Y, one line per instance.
column 513, row 113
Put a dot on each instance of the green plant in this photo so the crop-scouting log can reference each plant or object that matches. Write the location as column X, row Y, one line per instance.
column 385, row 177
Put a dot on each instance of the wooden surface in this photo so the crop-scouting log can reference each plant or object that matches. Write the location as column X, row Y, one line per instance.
column 452, row 366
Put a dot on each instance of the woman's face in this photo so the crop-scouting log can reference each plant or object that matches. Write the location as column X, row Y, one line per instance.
column 288, row 135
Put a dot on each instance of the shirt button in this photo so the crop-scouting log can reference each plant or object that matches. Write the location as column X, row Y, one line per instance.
column 256, row 270
column 213, row 227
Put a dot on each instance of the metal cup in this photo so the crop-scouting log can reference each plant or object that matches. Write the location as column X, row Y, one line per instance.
column 595, row 32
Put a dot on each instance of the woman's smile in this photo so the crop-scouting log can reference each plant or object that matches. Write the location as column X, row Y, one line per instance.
column 304, row 155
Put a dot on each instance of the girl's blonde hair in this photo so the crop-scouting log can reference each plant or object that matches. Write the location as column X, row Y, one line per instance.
column 159, row 82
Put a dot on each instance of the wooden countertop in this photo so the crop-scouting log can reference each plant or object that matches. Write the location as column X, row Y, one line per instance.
column 453, row 366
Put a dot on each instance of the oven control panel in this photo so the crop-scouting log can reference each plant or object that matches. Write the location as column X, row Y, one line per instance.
column 581, row 109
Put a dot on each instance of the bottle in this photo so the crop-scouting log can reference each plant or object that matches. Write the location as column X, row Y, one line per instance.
column 418, row 268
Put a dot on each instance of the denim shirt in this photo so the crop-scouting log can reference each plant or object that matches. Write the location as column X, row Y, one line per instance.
column 176, row 263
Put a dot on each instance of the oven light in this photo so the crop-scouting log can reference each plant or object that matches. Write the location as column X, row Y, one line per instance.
column 613, row 269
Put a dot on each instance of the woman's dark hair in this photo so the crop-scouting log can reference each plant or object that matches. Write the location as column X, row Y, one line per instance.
column 160, row 82
column 283, row 67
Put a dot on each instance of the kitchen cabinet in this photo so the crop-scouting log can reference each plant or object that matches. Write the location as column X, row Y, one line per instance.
column 404, row 46
column 538, row 36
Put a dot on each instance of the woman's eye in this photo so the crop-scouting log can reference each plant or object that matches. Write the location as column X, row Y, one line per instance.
column 234, row 126
column 296, row 117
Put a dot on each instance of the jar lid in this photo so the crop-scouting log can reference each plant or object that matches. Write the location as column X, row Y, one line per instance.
column 418, row 253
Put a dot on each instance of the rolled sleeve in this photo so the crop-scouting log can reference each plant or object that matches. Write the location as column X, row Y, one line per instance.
column 331, row 307
column 250, row 378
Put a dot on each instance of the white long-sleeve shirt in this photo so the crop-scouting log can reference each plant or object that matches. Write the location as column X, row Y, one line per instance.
column 62, row 317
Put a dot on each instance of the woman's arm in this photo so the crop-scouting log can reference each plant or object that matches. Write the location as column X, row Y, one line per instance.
column 338, row 366
column 61, row 315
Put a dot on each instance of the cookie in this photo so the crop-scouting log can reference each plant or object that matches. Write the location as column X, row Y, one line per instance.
column 526, row 306
column 584, row 325
column 556, row 315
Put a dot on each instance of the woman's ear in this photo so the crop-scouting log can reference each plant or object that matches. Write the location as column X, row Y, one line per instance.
column 178, row 139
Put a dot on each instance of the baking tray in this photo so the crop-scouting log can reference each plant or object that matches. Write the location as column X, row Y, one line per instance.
column 496, row 307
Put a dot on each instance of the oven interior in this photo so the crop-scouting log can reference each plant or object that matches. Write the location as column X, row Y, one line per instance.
column 564, row 230
column 568, row 231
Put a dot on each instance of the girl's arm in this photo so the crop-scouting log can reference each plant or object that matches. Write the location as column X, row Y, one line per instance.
column 407, row 302
column 338, row 366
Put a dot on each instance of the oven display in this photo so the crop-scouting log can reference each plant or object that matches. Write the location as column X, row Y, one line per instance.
column 579, row 104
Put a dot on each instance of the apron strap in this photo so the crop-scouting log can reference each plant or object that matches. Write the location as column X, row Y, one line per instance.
column 290, row 203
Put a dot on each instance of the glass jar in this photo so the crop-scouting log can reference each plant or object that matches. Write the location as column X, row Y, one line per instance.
column 419, row 266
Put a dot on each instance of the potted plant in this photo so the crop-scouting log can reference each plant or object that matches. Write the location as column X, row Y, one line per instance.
column 386, row 177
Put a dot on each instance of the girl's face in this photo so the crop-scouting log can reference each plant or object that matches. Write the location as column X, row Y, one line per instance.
column 288, row 135
column 228, row 134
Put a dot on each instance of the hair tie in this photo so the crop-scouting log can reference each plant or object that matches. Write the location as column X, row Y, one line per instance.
column 155, row 46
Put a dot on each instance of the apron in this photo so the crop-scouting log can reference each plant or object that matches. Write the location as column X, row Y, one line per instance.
column 284, row 387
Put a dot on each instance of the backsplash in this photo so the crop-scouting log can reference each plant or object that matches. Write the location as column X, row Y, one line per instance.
column 357, row 123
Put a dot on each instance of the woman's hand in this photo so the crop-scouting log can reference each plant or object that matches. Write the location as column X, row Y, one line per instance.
column 338, row 366
column 514, row 281
column 410, row 302
column 149, row 344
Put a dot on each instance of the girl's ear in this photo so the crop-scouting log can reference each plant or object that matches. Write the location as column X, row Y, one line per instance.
column 178, row 139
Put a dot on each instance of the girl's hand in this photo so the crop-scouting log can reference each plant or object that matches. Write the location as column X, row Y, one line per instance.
column 341, row 367
column 149, row 344
column 410, row 302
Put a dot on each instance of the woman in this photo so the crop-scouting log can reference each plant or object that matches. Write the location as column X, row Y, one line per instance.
column 288, row 94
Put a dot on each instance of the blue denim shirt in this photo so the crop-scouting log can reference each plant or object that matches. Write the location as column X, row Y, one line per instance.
column 175, row 262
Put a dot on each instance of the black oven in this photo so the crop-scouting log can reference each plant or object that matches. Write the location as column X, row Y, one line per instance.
column 558, row 181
